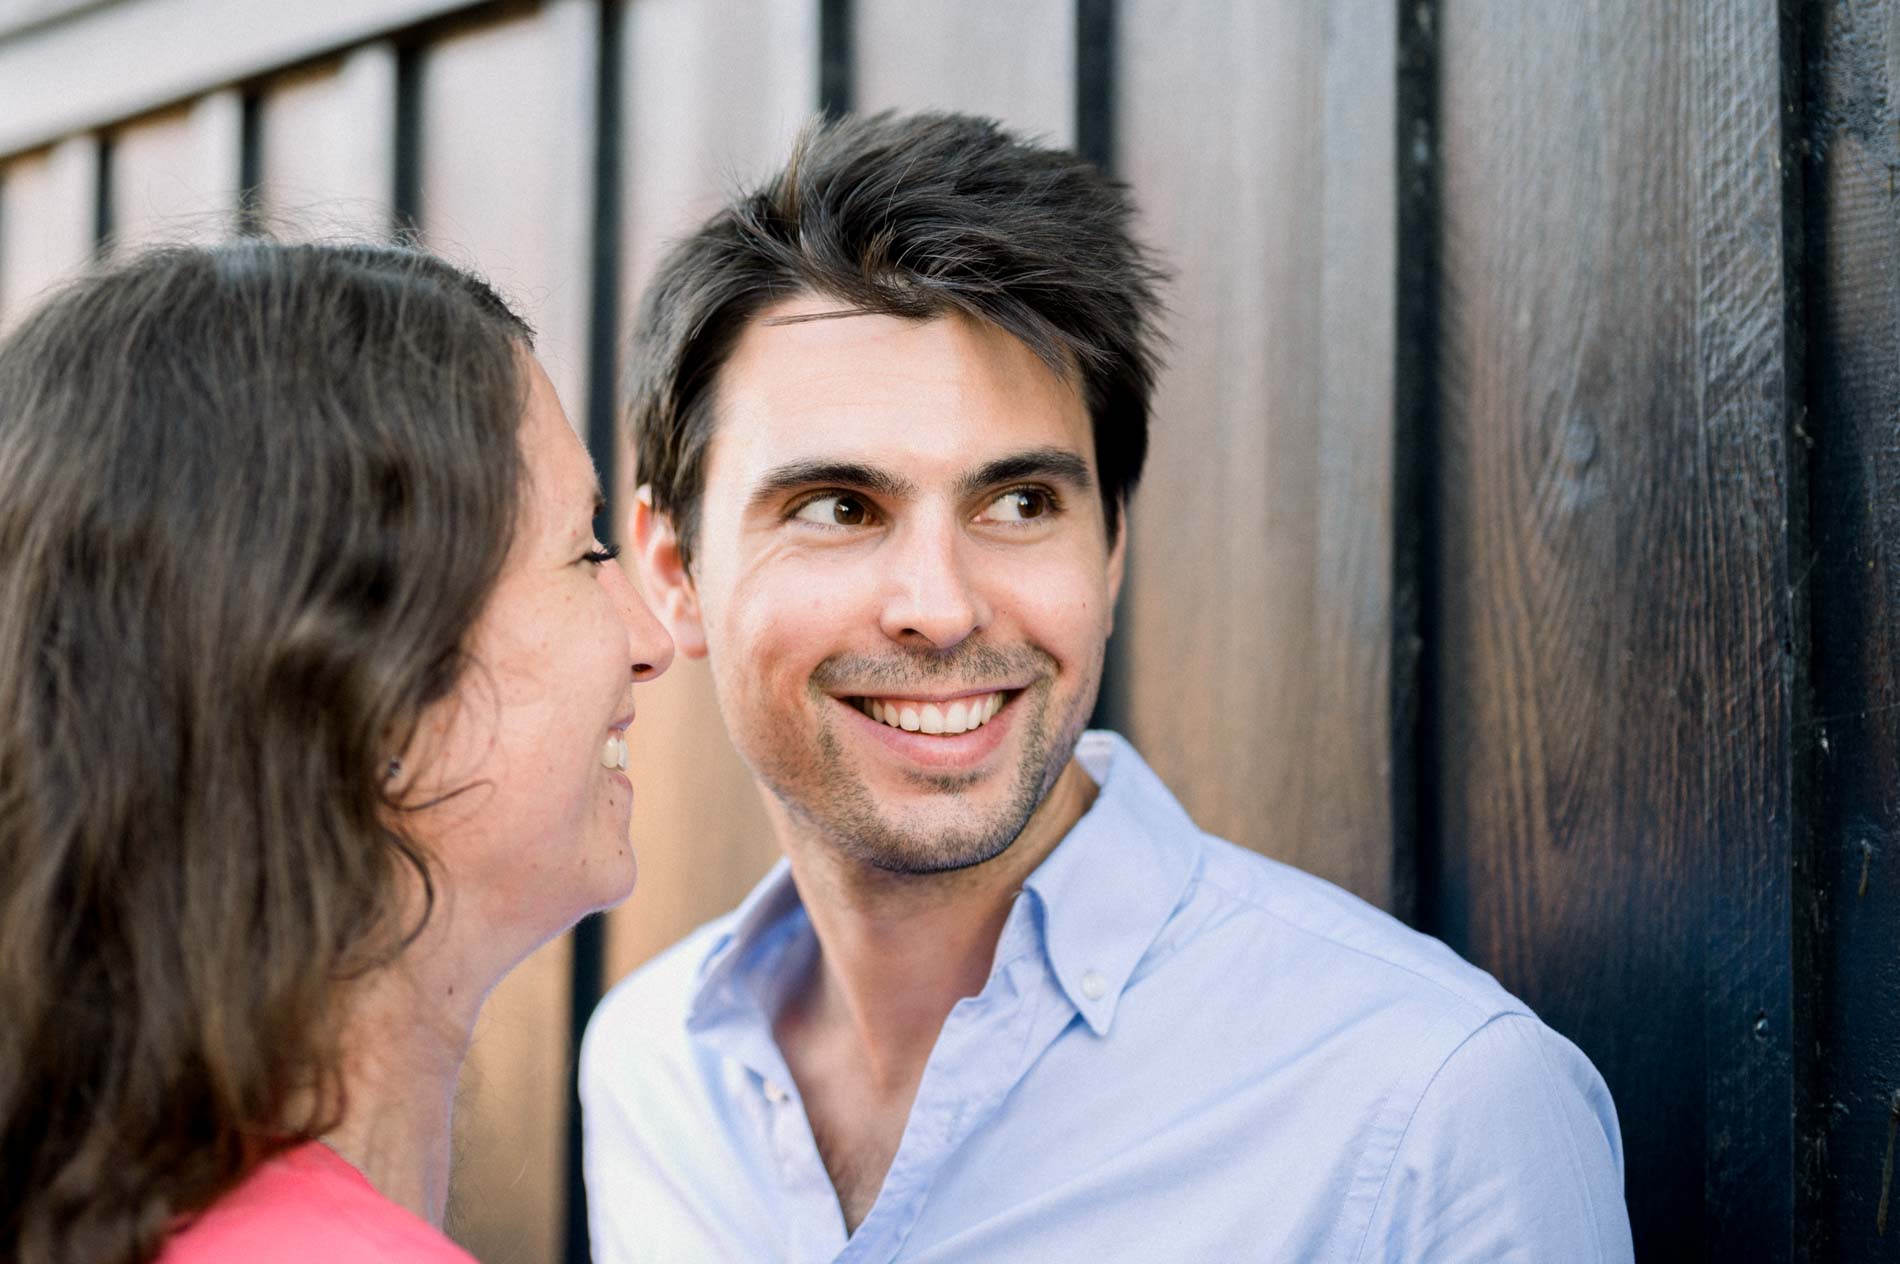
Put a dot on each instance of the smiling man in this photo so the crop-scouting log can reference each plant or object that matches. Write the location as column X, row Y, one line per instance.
column 1002, row 1001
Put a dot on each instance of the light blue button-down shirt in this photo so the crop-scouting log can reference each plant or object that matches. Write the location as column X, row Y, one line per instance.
column 1184, row 1051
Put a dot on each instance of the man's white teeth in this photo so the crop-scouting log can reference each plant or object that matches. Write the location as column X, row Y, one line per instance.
column 613, row 752
column 927, row 717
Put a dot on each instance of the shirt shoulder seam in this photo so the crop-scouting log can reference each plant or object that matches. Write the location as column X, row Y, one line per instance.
column 1391, row 1162
column 1392, row 1159
column 1482, row 1013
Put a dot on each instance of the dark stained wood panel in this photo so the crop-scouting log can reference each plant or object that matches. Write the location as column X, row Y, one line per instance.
column 698, row 827
column 1851, row 977
column 1613, row 634
column 1010, row 59
column 1219, row 620
column 175, row 175
column 328, row 148
column 506, row 187
column 48, row 204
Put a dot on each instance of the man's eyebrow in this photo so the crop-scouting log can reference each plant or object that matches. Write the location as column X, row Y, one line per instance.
column 854, row 474
column 1058, row 465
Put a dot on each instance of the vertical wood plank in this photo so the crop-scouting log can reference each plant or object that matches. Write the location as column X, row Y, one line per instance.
column 1616, row 643
column 698, row 827
column 48, row 205
column 1010, row 59
column 1853, row 420
column 175, row 175
column 506, row 187
column 1349, row 736
column 1222, row 563
column 328, row 141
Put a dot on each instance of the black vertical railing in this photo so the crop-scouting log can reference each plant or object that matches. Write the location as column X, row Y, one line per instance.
column 589, row 963
column 1415, row 581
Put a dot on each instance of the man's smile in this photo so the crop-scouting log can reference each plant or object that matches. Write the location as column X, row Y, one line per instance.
column 949, row 716
column 967, row 729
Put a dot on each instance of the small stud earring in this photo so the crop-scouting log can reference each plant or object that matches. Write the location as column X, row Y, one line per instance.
column 393, row 771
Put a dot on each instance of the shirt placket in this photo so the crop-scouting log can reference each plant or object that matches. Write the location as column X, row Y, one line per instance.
column 986, row 1044
column 813, row 1223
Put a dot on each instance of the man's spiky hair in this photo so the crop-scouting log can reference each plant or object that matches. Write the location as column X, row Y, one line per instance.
column 914, row 216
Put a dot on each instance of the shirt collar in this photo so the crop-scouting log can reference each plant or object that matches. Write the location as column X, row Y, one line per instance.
column 728, row 976
column 1109, row 887
column 1102, row 897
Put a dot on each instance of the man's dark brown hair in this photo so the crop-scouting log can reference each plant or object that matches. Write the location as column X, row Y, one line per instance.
column 914, row 216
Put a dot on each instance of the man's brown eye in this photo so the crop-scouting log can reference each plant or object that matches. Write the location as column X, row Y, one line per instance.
column 835, row 510
column 1020, row 505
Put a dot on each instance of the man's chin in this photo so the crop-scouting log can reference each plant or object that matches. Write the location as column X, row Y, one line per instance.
column 911, row 856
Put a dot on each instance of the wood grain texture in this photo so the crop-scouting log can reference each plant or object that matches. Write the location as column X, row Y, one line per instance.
column 122, row 59
column 328, row 147
column 699, row 830
column 48, row 202
column 1220, row 618
column 175, row 175
column 1010, row 59
column 1852, row 420
column 1615, row 644
column 1350, row 828
column 506, row 186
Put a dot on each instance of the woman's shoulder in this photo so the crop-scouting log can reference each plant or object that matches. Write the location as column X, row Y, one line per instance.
column 304, row 1206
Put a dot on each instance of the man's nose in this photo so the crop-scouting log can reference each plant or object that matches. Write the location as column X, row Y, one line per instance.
column 651, row 647
column 933, row 597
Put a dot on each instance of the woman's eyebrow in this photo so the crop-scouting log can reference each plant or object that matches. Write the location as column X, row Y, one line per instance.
column 1056, row 465
column 794, row 475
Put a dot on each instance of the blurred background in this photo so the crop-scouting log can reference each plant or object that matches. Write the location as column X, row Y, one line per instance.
column 1518, row 547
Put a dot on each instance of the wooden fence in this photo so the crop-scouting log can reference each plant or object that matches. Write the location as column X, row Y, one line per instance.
column 1521, row 542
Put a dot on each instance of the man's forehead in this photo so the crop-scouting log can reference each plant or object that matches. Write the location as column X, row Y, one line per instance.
column 812, row 381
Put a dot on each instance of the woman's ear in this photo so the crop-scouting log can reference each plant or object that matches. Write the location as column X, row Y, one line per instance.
column 664, row 579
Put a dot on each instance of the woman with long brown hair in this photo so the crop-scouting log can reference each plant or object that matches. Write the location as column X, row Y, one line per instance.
column 314, row 690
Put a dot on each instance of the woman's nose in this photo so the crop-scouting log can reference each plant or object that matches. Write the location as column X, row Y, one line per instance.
column 651, row 647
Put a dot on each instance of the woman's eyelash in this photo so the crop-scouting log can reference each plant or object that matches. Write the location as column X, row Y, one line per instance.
column 600, row 556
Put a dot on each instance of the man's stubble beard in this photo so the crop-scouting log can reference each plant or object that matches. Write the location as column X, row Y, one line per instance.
column 823, row 793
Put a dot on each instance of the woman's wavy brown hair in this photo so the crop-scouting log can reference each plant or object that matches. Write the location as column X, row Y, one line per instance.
column 252, row 500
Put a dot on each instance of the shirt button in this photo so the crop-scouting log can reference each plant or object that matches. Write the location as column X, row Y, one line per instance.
column 1094, row 986
column 774, row 1094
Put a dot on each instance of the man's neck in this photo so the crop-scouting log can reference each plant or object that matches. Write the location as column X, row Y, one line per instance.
column 896, row 953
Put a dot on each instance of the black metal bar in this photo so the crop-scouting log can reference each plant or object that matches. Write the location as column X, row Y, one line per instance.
column 588, row 979
column 1416, row 759
column 406, row 209
column 251, row 164
column 102, row 225
column 1095, row 81
column 836, row 51
column 1095, row 67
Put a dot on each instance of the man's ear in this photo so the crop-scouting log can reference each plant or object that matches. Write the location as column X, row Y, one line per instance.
column 663, row 575
column 1117, row 564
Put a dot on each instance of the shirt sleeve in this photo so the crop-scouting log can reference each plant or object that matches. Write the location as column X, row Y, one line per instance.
column 1513, row 1153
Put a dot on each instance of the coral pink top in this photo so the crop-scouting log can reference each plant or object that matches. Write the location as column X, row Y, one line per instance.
column 309, row 1206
